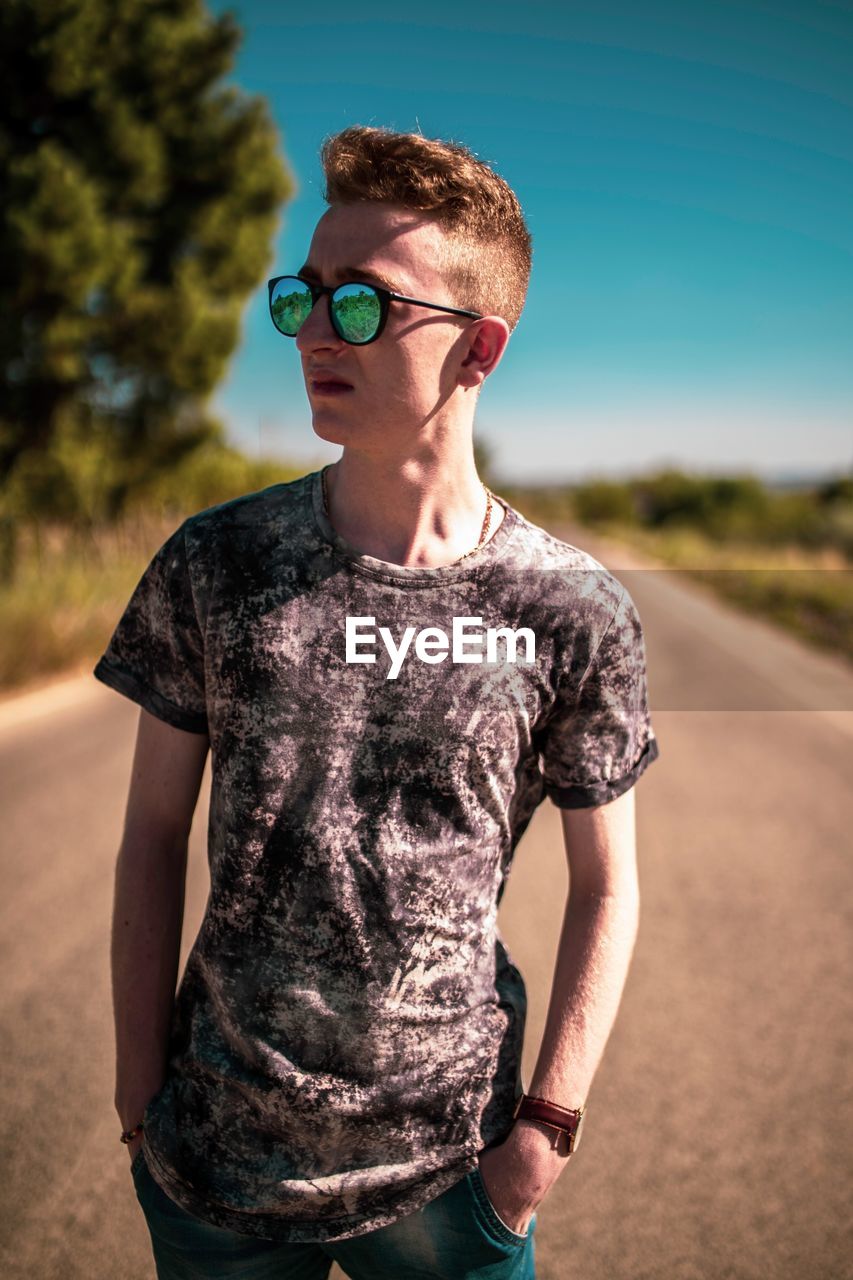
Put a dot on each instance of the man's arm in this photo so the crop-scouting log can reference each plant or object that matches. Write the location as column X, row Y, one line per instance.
column 594, row 952
column 148, row 907
column 593, row 956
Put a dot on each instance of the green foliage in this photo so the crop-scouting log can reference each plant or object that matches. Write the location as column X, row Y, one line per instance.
column 73, row 478
column 213, row 473
column 599, row 501
column 545, row 506
column 727, row 508
column 717, row 503
column 141, row 200
column 837, row 492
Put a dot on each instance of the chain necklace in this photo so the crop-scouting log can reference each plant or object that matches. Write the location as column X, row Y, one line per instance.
column 486, row 522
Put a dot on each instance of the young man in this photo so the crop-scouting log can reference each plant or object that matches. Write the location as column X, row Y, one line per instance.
column 391, row 668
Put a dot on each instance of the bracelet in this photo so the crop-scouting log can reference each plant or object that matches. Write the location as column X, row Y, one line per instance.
column 132, row 1133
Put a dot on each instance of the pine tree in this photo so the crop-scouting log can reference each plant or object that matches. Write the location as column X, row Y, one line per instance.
column 141, row 199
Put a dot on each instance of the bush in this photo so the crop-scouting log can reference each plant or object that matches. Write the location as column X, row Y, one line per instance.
column 599, row 501
column 212, row 474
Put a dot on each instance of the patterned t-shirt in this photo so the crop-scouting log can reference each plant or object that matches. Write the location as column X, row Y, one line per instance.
column 347, row 1033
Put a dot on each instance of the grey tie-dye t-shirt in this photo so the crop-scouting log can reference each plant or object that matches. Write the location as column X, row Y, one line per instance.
column 347, row 1033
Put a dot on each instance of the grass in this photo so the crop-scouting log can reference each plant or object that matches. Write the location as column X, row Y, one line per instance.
column 67, row 595
column 808, row 592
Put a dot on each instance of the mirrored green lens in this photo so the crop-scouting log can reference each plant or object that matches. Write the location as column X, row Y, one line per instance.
column 290, row 305
column 357, row 311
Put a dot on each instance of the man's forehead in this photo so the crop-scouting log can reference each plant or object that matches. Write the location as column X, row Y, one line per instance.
column 398, row 247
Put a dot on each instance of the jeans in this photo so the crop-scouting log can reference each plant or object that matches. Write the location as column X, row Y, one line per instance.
column 457, row 1236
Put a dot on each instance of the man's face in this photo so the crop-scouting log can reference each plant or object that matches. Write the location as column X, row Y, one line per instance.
column 400, row 380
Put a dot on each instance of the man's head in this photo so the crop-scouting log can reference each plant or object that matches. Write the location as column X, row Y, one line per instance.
column 433, row 222
column 485, row 251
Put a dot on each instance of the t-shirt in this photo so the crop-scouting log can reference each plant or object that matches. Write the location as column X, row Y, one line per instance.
column 347, row 1033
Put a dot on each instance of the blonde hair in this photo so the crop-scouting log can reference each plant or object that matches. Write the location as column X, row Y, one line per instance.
column 486, row 250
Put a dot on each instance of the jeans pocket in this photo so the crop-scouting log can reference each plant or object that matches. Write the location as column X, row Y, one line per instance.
column 137, row 1162
column 492, row 1218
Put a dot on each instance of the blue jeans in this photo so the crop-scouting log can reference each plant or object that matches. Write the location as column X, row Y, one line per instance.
column 457, row 1236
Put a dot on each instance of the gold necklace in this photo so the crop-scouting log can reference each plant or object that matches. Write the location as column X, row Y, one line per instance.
column 486, row 522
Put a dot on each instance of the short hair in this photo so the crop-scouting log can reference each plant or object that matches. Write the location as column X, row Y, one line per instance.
column 487, row 249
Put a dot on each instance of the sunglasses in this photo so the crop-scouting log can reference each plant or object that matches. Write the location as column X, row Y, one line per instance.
column 358, row 311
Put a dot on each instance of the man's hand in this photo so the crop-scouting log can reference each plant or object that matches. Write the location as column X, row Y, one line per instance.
column 520, row 1172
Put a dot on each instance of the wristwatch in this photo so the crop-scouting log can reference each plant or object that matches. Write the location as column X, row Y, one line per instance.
column 571, row 1122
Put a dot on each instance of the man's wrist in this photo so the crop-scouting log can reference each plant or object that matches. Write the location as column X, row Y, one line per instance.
column 130, row 1104
column 131, row 1116
column 540, row 1137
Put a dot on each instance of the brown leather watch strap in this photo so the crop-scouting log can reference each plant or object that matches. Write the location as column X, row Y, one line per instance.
column 549, row 1113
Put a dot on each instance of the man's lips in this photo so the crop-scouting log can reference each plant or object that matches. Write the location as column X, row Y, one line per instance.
column 329, row 386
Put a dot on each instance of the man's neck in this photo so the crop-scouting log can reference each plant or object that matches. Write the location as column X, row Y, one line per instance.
column 412, row 512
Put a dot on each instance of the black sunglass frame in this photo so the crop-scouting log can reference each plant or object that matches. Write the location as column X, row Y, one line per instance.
column 385, row 296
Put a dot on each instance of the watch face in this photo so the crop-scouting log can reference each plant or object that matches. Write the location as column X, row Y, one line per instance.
column 577, row 1134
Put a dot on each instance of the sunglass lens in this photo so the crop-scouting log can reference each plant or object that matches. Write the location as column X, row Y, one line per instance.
column 290, row 305
column 357, row 311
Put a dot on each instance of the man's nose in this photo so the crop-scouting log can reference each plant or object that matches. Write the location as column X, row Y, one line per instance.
column 317, row 329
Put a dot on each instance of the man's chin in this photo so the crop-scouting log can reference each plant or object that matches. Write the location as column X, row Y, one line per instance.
column 333, row 432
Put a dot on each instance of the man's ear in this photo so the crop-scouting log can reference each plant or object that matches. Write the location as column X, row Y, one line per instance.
column 487, row 340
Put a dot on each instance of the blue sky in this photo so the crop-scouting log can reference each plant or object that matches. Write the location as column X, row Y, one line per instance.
column 686, row 171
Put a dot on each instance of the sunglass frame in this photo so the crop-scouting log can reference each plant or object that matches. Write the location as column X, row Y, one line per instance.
column 386, row 297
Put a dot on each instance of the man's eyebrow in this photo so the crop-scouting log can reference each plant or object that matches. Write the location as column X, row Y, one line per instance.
column 356, row 273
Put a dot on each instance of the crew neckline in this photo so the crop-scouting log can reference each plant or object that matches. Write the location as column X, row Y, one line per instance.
column 373, row 567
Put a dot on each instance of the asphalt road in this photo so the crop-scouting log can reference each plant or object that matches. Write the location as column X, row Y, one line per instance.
column 719, row 1139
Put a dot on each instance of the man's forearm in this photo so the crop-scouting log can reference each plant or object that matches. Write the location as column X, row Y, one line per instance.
column 593, row 956
column 148, row 914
